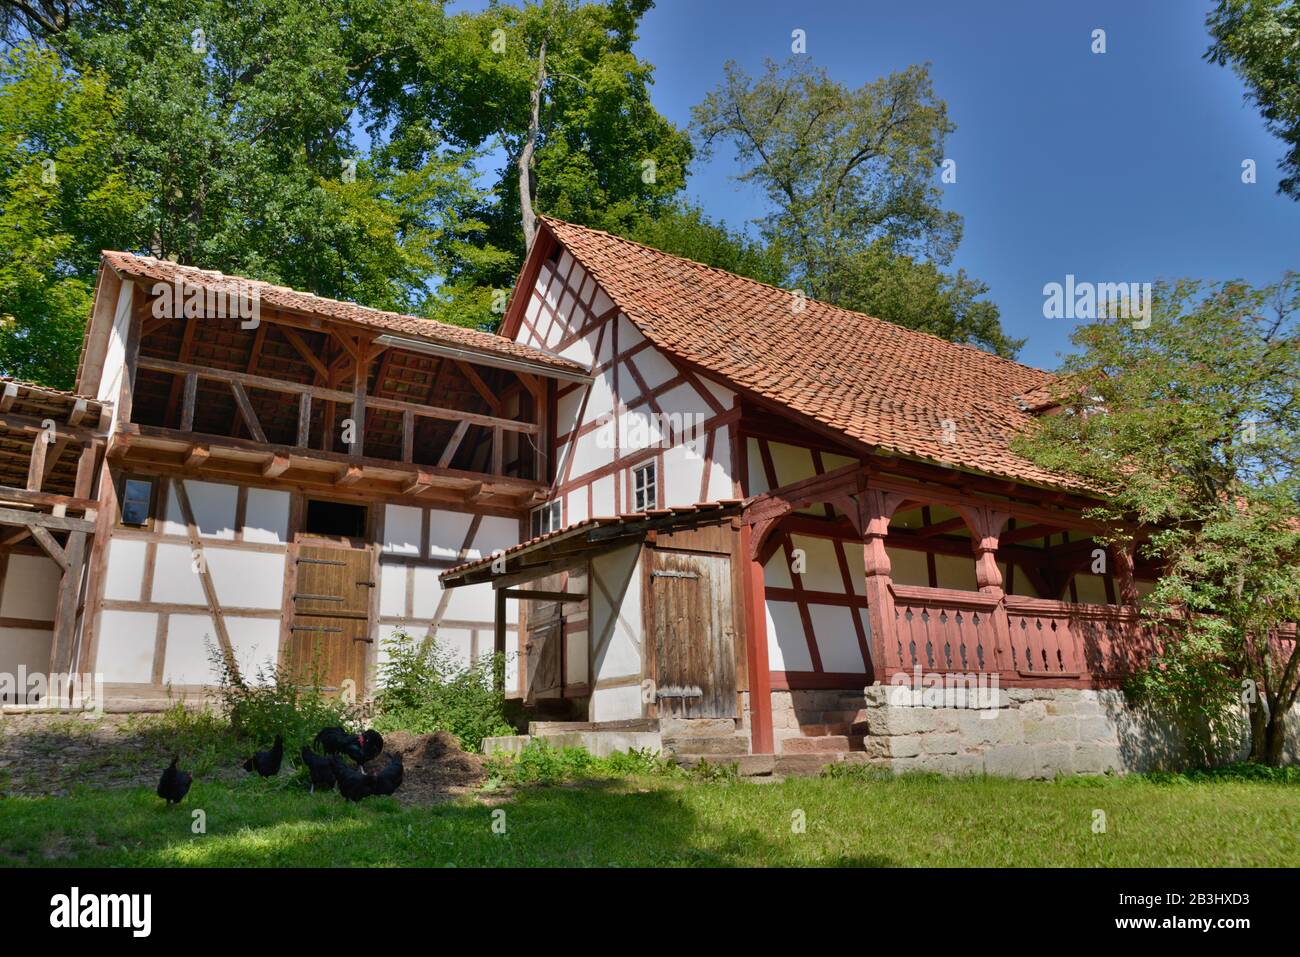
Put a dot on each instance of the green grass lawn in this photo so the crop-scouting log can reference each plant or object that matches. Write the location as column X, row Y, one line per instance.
column 658, row 821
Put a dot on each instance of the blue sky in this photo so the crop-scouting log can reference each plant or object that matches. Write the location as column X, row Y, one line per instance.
column 1115, row 167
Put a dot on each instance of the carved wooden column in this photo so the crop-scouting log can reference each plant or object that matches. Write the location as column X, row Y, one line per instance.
column 986, row 526
column 876, row 508
column 1123, row 554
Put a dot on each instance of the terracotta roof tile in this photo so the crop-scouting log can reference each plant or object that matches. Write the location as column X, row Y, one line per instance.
column 891, row 388
column 282, row 297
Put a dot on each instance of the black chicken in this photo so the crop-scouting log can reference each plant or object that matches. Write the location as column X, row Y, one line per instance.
column 389, row 779
column 353, row 784
column 359, row 747
column 174, row 783
column 267, row 763
column 319, row 769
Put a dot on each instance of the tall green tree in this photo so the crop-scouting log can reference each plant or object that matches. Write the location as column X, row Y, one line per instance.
column 1260, row 40
column 555, row 91
column 686, row 230
column 64, row 195
column 1192, row 424
column 852, row 180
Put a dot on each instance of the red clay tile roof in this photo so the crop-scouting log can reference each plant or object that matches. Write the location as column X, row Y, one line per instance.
column 282, row 297
column 891, row 388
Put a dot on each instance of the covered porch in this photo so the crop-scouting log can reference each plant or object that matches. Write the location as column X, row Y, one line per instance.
column 982, row 577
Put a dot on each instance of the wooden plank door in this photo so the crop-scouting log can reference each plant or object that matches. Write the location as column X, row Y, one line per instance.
column 543, row 645
column 694, row 634
column 330, row 628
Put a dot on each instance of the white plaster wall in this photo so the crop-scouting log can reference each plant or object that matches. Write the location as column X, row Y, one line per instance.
column 187, row 662
column 174, row 579
column 124, row 577
column 787, row 644
column 24, row 647
column 214, row 509
column 246, row 579
column 126, row 643
column 31, row 588
column 402, row 527
column 616, row 631
column 110, row 380
column 266, row 517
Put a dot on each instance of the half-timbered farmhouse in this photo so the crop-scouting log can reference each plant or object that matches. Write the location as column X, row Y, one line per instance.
column 682, row 503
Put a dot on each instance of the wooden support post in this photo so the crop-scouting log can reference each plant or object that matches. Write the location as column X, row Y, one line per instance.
column 358, row 443
column 762, row 739
column 191, row 396
column 36, row 464
column 498, row 450
column 1122, row 554
column 84, row 487
column 304, row 420
column 453, row 444
column 65, row 608
column 205, row 579
column 986, row 526
column 875, row 509
column 408, row 435
column 499, row 642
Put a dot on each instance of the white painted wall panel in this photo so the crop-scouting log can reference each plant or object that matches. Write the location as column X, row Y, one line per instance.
column 602, row 497
column 447, row 532
column 616, row 704
column 174, row 578
column 214, row 509
column 126, row 641
column 837, row 639
column 720, row 474
column 266, row 517
column 787, row 645
column 953, row 571
column 402, row 530
column 683, row 472
column 428, row 591
column 576, row 507
column 392, row 590
column 31, row 588
column 822, row 569
column 24, row 647
column 908, row 567
column 654, row 368
column 1090, row 588
column 187, row 660
column 757, row 477
column 494, row 532
column 246, row 579
column 615, row 604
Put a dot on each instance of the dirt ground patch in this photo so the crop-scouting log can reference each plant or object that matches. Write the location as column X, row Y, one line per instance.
column 435, row 769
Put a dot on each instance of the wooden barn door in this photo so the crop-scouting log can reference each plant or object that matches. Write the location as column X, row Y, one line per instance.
column 331, row 615
column 543, row 644
column 694, row 634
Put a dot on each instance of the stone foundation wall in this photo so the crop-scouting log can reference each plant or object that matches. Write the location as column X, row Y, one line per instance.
column 1030, row 733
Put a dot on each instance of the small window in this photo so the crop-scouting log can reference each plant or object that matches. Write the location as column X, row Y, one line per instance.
column 335, row 519
column 546, row 518
column 645, row 490
column 137, row 501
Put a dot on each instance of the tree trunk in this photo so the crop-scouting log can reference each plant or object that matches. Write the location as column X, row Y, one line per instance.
column 525, row 162
column 1267, row 734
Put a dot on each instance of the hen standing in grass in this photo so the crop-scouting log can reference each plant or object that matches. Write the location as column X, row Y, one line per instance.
column 389, row 779
column 174, row 783
column 319, row 769
column 359, row 747
column 267, row 763
column 353, row 784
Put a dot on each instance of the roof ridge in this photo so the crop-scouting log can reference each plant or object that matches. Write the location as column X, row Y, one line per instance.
column 826, row 305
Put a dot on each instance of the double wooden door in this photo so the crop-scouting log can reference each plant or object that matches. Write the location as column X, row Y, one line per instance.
column 330, row 633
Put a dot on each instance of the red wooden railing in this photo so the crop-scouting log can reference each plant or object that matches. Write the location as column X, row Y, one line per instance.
column 1023, row 639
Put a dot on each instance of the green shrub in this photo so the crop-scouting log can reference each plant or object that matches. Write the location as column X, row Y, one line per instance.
column 424, row 688
column 1242, row 771
column 540, row 763
column 276, row 703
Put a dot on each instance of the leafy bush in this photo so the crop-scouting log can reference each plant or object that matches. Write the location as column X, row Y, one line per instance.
column 540, row 763
column 277, row 703
column 425, row 688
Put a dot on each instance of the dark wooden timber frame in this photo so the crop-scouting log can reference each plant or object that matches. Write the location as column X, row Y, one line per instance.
column 55, row 505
